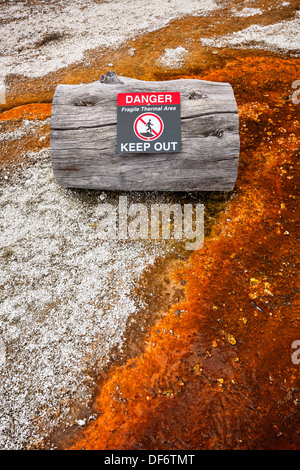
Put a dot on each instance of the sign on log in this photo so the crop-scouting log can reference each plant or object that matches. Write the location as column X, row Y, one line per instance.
column 177, row 135
column 148, row 123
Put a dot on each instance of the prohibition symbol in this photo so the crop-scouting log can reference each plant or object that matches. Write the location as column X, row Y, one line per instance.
column 148, row 126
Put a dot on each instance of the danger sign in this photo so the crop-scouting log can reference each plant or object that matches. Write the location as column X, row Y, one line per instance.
column 148, row 122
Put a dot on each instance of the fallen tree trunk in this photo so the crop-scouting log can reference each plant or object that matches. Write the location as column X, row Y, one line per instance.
column 84, row 139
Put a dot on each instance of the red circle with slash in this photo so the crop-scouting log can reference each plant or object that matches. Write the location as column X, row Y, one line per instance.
column 148, row 126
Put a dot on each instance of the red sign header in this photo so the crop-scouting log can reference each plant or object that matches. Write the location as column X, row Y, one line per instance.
column 147, row 99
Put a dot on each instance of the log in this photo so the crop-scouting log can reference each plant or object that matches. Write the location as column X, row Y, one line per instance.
column 83, row 139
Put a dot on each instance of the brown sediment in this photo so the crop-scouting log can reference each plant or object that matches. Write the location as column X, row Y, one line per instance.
column 13, row 151
column 30, row 111
column 216, row 370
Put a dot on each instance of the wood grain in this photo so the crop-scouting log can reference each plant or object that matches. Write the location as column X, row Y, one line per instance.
column 83, row 139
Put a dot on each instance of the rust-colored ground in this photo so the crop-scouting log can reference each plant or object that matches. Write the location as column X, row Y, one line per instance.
column 215, row 372
column 30, row 111
column 13, row 151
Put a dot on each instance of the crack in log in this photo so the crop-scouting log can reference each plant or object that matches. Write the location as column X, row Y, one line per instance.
column 98, row 126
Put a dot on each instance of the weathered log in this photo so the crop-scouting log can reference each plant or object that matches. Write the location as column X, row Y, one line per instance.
column 84, row 138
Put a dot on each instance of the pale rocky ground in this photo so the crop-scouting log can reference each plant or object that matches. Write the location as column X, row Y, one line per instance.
column 66, row 296
column 50, row 35
column 282, row 36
